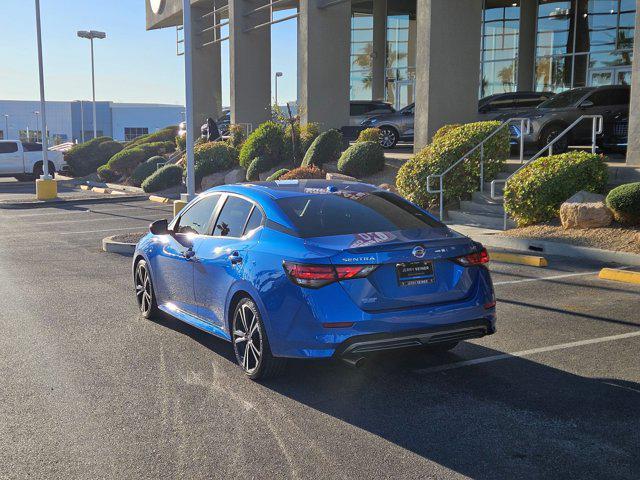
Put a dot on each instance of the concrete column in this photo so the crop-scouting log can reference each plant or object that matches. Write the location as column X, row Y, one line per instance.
column 447, row 65
column 206, row 73
column 250, row 63
column 633, row 150
column 379, row 62
column 527, row 45
column 324, row 37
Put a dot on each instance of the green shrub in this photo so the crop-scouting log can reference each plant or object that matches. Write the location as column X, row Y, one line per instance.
column 107, row 175
column 213, row 157
column 369, row 135
column 127, row 160
column 256, row 167
column 442, row 131
column 624, row 201
column 304, row 173
column 304, row 137
column 165, row 177
column 535, row 193
column 84, row 158
column 167, row 134
column 265, row 141
column 237, row 136
column 362, row 159
column 276, row 175
column 325, row 148
column 181, row 142
column 145, row 169
column 444, row 152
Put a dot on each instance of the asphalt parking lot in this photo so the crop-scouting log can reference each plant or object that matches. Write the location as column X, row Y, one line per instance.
column 91, row 390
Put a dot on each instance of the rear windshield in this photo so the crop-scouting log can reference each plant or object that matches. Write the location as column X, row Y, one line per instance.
column 565, row 99
column 346, row 213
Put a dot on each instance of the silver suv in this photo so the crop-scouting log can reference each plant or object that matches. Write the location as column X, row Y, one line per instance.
column 393, row 126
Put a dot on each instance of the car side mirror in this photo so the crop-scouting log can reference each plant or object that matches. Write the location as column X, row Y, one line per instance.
column 159, row 227
column 586, row 104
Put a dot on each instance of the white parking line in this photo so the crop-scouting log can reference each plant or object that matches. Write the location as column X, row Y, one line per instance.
column 541, row 279
column 140, row 227
column 525, row 353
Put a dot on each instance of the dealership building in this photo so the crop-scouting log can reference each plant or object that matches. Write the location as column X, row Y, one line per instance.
column 442, row 55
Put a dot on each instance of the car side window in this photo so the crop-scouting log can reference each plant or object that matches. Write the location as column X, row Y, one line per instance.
column 8, row 147
column 620, row 96
column 531, row 100
column 501, row 103
column 601, row 98
column 196, row 220
column 32, row 147
column 254, row 221
column 233, row 217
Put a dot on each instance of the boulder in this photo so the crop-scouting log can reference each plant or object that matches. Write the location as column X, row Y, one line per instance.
column 212, row 180
column 585, row 210
column 237, row 175
column 340, row 176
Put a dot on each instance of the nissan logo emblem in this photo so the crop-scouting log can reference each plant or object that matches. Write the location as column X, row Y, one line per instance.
column 418, row 251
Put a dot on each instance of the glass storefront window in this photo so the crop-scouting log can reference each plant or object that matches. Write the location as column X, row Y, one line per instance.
column 500, row 36
column 361, row 52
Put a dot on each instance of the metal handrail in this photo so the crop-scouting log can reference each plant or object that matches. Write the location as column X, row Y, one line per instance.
column 525, row 126
column 596, row 129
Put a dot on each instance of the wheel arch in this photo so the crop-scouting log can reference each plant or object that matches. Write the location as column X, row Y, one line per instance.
column 237, row 293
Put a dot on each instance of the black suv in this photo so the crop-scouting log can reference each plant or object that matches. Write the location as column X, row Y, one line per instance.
column 550, row 118
column 501, row 104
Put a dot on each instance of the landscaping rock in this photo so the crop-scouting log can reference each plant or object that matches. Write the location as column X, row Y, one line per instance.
column 340, row 176
column 585, row 210
column 388, row 187
column 237, row 175
column 213, row 180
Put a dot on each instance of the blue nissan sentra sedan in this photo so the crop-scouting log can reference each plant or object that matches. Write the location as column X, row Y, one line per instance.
column 314, row 269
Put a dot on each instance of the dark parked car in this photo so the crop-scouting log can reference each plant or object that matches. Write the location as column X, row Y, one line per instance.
column 501, row 104
column 550, row 118
column 393, row 126
column 360, row 110
column 223, row 122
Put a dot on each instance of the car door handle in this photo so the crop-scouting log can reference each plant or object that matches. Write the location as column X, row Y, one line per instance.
column 235, row 258
column 189, row 254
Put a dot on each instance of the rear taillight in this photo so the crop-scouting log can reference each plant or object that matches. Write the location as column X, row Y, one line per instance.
column 316, row 276
column 475, row 258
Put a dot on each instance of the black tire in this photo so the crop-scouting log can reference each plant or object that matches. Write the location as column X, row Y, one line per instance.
column 38, row 171
column 388, row 137
column 549, row 133
column 145, row 295
column 257, row 363
column 442, row 347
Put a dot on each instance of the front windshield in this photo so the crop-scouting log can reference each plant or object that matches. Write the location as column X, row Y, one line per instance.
column 565, row 99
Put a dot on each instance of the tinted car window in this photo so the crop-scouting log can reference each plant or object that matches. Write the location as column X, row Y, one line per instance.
column 197, row 218
column 359, row 109
column 613, row 96
column 255, row 220
column 346, row 213
column 8, row 147
column 529, row 100
column 32, row 147
column 565, row 99
column 233, row 217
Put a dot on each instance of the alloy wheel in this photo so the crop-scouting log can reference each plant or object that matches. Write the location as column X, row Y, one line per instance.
column 247, row 338
column 144, row 292
column 387, row 138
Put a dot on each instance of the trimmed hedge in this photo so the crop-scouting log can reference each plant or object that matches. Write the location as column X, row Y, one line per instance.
column 167, row 134
column 265, row 141
column 107, row 175
column 127, row 160
column 165, row 177
column 237, row 136
column 624, row 201
column 304, row 173
column 213, row 157
column 369, row 135
column 362, row 159
column 305, row 135
column 256, row 167
column 277, row 175
column 535, row 193
column 324, row 149
column 146, row 169
column 442, row 131
column 447, row 149
column 181, row 142
column 84, row 158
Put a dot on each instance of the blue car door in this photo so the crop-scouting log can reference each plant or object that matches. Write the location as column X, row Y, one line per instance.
column 173, row 264
column 222, row 257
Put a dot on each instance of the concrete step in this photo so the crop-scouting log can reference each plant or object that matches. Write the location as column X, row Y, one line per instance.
column 499, row 188
column 485, row 198
column 478, row 220
column 477, row 207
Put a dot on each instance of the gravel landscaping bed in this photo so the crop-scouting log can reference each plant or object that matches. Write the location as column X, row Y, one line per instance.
column 613, row 238
column 128, row 237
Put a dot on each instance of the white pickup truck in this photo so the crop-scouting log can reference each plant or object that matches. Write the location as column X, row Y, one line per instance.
column 23, row 160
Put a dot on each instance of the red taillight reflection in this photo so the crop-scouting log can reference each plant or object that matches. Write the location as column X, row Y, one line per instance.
column 476, row 258
column 316, row 276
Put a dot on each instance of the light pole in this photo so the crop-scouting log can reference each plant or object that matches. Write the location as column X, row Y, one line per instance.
column 6, row 126
column 278, row 74
column 36, row 113
column 91, row 34
column 188, row 62
column 45, row 159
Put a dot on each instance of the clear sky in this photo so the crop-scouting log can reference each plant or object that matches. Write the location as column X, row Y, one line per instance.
column 132, row 64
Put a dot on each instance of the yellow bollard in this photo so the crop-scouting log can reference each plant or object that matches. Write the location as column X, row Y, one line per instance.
column 46, row 189
column 178, row 205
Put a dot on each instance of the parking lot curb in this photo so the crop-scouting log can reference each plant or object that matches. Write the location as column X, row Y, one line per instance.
column 529, row 260
column 73, row 201
column 100, row 190
column 619, row 275
column 111, row 246
column 158, row 199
